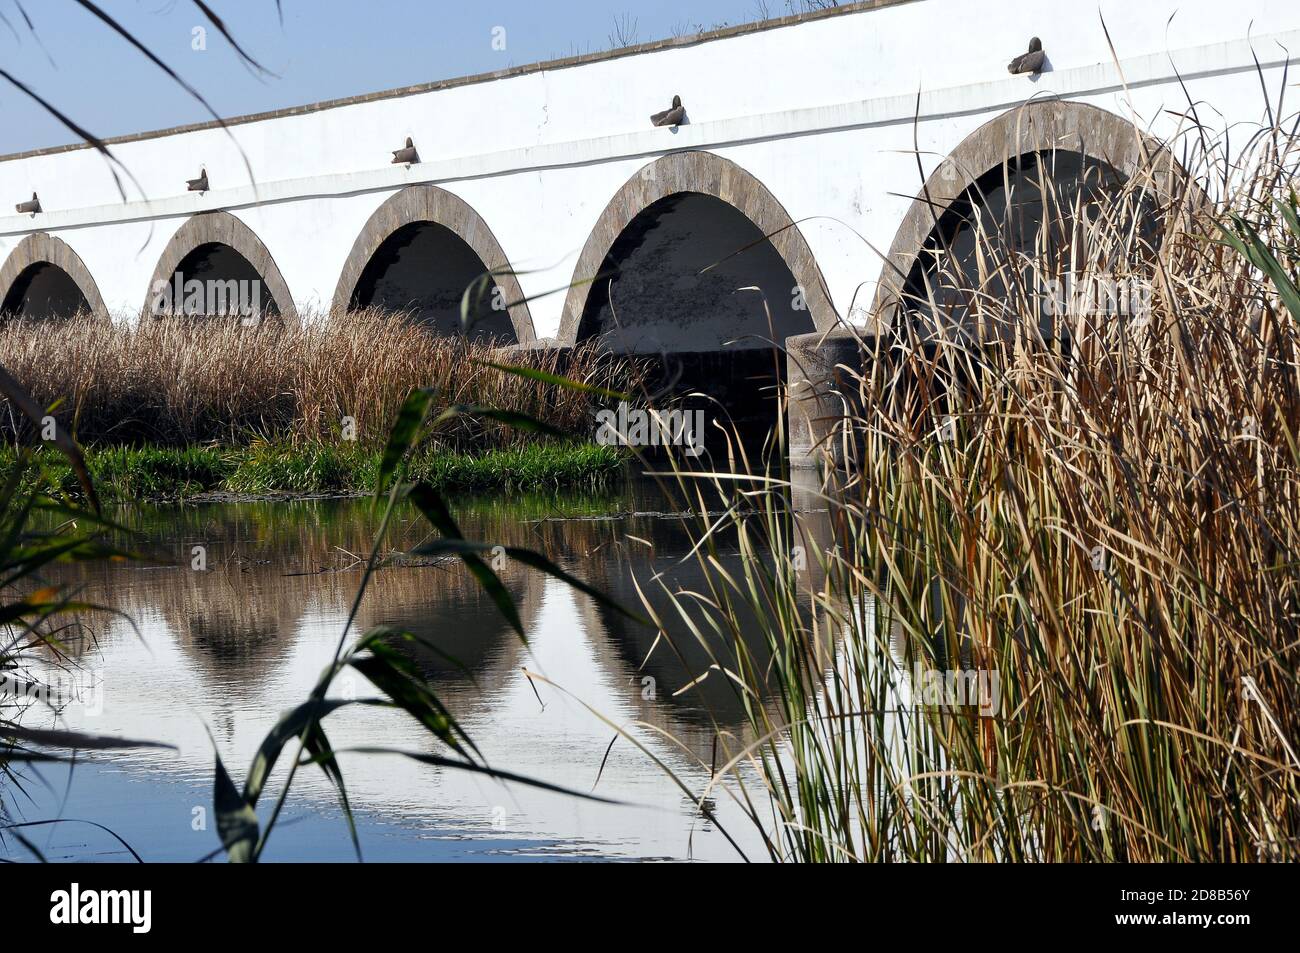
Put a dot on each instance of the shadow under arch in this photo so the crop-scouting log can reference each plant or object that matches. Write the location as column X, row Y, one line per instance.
column 1038, row 126
column 695, row 173
column 696, row 271
column 221, row 230
column 452, row 222
column 35, row 256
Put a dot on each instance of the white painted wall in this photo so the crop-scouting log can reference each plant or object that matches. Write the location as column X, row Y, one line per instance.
column 821, row 112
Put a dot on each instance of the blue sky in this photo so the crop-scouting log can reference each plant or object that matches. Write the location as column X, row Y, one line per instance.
column 325, row 49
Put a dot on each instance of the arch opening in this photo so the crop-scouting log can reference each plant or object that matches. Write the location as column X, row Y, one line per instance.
column 214, row 266
column 691, row 286
column 419, row 252
column 44, row 278
column 428, row 271
column 1040, row 228
column 43, row 291
column 214, row 280
column 1032, row 183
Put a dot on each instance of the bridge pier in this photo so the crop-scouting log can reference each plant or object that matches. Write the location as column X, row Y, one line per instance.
column 822, row 387
column 821, row 384
column 511, row 352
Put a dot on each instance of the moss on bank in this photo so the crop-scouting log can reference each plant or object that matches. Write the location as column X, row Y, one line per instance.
column 169, row 473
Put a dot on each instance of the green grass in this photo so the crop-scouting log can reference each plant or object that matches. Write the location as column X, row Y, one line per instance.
column 167, row 473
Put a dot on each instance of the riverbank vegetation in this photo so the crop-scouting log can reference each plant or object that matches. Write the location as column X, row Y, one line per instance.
column 170, row 408
column 157, row 474
column 176, row 382
column 1047, row 609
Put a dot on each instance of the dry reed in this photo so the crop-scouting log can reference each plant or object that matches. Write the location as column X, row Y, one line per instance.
column 1101, row 510
column 176, row 382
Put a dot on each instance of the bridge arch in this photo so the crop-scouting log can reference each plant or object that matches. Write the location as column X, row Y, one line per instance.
column 695, row 173
column 218, row 243
column 1099, row 138
column 698, row 271
column 44, row 267
column 432, row 222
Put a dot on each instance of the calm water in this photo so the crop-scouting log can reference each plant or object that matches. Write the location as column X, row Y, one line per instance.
column 229, row 648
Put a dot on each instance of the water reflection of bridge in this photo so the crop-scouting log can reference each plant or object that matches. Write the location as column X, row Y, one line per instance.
column 279, row 573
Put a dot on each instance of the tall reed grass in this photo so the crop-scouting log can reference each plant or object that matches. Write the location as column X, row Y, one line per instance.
column 1100, row 511
column 176, row 382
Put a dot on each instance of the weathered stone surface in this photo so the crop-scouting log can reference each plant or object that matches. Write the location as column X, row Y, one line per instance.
column 821, row 384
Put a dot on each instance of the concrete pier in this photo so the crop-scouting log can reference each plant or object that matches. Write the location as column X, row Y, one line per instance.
column 822, row 385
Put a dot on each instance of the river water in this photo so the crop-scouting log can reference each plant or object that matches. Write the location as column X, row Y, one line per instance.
column 210, row 656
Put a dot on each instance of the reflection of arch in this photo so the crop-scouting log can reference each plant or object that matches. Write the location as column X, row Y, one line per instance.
column 418, row 204
column 706, row 174
column 462, row 639
column 1039, row 126
column 222, row 228
column 40, row 248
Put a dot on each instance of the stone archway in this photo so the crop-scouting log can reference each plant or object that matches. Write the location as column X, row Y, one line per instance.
column 41, row 248
column 1038, row 126
column 706, row 174
column 224, row 229
column 428, row 204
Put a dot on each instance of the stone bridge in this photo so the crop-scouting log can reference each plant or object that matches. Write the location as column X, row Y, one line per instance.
column 785, row 203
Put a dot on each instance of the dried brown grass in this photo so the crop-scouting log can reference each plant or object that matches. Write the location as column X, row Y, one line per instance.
column 177, row 382
column 1101, row 510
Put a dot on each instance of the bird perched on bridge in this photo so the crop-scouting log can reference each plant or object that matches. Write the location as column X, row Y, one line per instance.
column 406, row 154
column 32, row 207
column 198, row 185
column 672, row 116
column 1031, row 62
